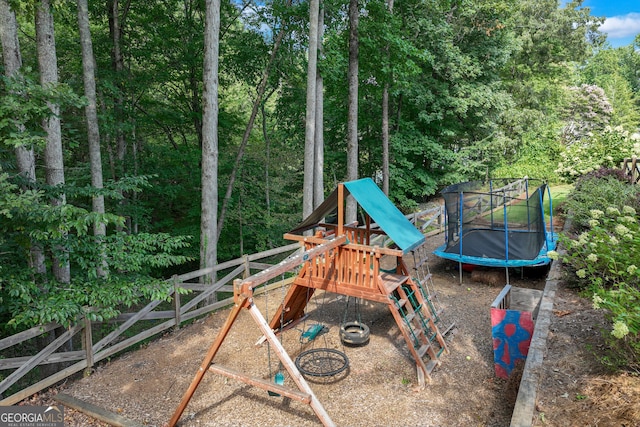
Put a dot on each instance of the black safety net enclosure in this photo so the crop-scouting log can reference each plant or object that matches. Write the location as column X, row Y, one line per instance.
column 500, row 222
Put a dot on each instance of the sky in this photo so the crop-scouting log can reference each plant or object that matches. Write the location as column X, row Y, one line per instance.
column 623, row 19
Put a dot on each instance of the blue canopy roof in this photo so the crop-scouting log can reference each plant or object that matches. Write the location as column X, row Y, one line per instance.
column 385, row 214
column 376, row 204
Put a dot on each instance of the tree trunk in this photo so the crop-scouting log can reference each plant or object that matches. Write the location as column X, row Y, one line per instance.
column 53, row 156
column 117, row 145
column 310, row 128
column 208, row 232
column 385, row 120
column 25, row 157
column 117, row 61
column 352, row 118
column 91, row 113
column 267, row 165
column 318, row 171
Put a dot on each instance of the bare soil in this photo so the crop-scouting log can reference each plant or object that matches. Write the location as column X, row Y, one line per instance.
column 380, row 386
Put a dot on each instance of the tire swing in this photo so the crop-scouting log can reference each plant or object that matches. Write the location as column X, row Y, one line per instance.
column 354, row 332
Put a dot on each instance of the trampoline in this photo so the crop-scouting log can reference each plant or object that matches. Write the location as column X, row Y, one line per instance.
column 498, row 223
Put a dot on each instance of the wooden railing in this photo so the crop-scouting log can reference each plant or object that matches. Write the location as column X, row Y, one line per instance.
column 148, row 321
column 631, row 167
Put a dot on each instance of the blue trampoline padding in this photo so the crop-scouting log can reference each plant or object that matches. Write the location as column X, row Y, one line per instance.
column 371, row 198
column 541, row 259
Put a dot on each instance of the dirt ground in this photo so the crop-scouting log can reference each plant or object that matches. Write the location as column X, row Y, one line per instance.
column 379, row 388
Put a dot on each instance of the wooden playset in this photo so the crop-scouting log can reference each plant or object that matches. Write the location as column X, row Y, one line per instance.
column 340, row 258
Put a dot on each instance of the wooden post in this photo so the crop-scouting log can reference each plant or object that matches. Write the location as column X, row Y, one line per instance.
column 207, row 361
column 247, row 269
column 176, row 303
column 87, row 343
column 290, row 366
column 340, row 231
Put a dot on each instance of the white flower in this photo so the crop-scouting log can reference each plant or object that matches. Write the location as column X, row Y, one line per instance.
column 582, row 273
column 593, row 223
column 553, row 255
column 613, row 240
column 626, row 219
column 611, row 210
column 628, row 210
column 631, row 269
column 596, row 301
column 596, row 213
column 592, row 258
column 620, row 330
column 621, row 230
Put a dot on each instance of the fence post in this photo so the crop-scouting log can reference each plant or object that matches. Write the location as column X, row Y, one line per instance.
column 87, row 343
column 247, row 269
column 176, row 302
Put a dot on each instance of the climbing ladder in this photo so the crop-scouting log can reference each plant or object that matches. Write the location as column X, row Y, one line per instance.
column 415, row 318
column 421, row 274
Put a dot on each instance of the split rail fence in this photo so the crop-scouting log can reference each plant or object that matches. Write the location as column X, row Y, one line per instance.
column 74, row 347
column 631, row 167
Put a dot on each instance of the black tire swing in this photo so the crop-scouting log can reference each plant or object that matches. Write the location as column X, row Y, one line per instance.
column 354, row 332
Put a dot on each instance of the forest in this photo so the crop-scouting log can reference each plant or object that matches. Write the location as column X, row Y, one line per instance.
column 145, row 139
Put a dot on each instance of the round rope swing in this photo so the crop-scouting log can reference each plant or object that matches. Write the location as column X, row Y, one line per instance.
column 354, row 332
column 321, row 364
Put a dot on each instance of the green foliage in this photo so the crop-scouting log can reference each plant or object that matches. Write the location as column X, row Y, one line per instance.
column 108, row 272
column 615, row 71
column 604, row 255
column 23, row 106
column 605, row 187
column 605, row 149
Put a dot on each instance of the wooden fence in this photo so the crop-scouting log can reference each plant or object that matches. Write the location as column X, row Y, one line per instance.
column 150, row 320
column 631, row 167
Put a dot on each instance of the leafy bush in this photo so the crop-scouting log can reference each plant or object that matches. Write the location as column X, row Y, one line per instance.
column 604, row 149
column 108, row 272
column 603, row 258
column 597, row 190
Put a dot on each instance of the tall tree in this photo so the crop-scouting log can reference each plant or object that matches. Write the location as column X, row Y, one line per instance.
column 385, row 119
column 53, row 155
column 352, row 115
column 12, row 64
column 91, row 113
column 209, row 204
column 310, row 118
column 615, row 71
column 116, row 21
column 318, row 162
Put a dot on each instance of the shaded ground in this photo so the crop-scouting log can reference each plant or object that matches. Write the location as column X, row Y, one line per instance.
column 575, row 389
column 380, row 387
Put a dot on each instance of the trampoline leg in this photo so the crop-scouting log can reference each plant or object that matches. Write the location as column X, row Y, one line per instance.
column 507, row 274
column 460, row 270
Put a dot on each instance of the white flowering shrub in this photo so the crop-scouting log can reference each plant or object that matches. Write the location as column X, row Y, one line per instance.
column 603, row 261
column 602, row 149
column 597, row 190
